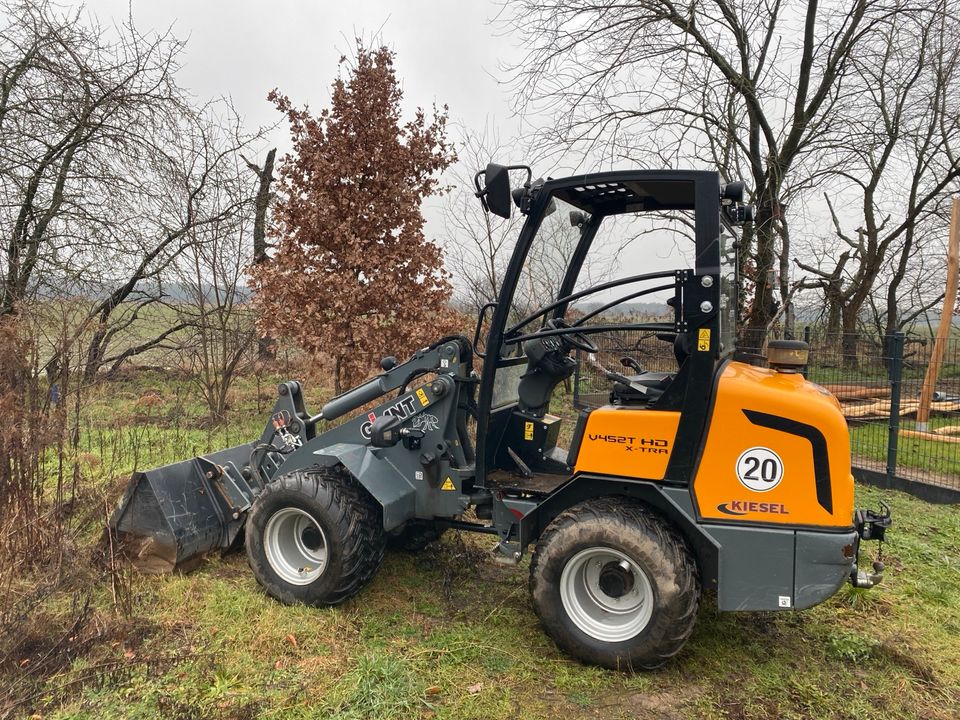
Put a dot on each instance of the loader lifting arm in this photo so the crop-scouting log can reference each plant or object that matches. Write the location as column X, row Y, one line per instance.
column 171, row 516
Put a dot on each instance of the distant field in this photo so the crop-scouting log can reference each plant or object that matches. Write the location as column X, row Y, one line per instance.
column 449, row 633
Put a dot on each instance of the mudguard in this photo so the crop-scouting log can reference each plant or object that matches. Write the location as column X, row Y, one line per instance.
column 372, row 469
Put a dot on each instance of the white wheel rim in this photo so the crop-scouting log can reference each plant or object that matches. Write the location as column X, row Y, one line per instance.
column 606, row 594
column 295, row 546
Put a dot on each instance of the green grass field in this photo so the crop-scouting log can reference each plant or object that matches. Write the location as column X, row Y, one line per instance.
column 449, row 633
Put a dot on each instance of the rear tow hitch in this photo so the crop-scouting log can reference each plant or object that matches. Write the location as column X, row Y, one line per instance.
column 870, row 525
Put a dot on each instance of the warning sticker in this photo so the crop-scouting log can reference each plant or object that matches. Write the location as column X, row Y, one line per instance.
column 528, row 431
column 422, row 396
column 703, row 339
column 448, row 485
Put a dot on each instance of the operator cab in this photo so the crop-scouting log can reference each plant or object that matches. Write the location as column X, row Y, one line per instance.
column 590, row 318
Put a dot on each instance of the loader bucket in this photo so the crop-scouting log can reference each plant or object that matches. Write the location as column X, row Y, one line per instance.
column 171, row 516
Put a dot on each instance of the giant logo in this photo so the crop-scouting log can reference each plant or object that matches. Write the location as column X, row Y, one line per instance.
column 402, row 409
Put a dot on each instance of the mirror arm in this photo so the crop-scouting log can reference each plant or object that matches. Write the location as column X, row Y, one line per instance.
column 481, row 192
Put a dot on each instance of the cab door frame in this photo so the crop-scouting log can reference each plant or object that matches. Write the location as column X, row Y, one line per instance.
column 700, row 310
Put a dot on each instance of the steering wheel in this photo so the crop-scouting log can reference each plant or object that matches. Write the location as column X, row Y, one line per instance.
column 575, row 340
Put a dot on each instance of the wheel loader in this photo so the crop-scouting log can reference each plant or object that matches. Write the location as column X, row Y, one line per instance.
column 725, row 472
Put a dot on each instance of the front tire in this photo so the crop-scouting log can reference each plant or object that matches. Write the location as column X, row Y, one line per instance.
column 315, row 537
column 615, row 585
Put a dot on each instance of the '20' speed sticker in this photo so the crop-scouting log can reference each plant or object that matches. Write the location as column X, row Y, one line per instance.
column 759, row 469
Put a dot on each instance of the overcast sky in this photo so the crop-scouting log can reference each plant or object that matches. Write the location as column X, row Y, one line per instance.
column 448, row 52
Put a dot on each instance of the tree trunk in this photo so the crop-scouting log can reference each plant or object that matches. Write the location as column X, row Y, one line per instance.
column 337, row 384
column 764, row 306
column 850, row 314
column 785, row 300
column 265, row 349
column 95, row 353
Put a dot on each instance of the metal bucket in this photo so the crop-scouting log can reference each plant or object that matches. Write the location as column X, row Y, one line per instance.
column 173, row 515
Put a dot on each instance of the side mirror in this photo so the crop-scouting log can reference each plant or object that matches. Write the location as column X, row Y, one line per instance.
column 496, row 182
column 385, row 431
column 733, row 191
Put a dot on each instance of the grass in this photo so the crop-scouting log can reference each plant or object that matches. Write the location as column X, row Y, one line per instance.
column 935, row 456
column 449, row 633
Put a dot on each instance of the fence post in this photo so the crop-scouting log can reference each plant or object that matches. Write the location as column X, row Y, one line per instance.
column 895, row 345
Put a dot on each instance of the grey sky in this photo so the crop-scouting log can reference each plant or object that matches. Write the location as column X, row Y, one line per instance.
column 447, row 51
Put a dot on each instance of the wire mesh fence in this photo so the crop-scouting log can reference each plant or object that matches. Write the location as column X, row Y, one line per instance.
column 878, row 382
column 591, row 387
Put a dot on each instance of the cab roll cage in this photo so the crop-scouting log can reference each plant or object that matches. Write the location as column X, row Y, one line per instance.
column 696, row 190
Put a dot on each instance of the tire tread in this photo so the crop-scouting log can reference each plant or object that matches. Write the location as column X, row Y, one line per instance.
column 356, row 520
column 626, row 516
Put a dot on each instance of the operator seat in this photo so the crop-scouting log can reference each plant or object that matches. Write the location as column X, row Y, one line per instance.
column 652, row 384
column 547, row 366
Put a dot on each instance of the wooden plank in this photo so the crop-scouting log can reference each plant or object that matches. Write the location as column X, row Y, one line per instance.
column 929, row 436
column 946, row 318
column 856, row 392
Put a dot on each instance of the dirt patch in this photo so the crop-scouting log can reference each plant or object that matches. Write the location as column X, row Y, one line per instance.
column 45, row 644
column 642, row 706
column 175, row 710
column 458, row 559
column 908, row 661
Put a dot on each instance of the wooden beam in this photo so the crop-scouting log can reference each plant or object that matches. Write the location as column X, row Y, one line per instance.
column 946, row 319
column 930, row 436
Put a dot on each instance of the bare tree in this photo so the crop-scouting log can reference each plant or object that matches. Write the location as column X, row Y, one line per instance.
column 71, row 105
column 901, row 163
column 260, row 243
column 477, row 246
column 181, row 184
column 107, row 177
column 754, row 85
column 221, row 324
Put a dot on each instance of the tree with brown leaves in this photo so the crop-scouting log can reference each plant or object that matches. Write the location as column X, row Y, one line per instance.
column 353, row 275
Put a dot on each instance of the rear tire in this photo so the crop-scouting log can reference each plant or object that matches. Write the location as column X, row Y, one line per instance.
column 615, row 585
column 315, row 537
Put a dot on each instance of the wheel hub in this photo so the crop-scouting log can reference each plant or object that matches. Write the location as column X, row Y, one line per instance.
column 606, row 594
column 295, row 546
column 312, row 538
column 616, row 579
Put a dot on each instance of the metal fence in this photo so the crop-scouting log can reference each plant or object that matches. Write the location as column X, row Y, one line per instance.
column 878, row 382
